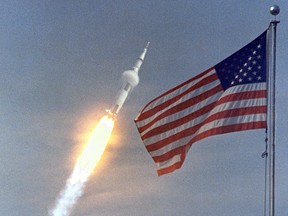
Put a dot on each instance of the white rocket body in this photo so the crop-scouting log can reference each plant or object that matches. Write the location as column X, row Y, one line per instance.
column 130, row 79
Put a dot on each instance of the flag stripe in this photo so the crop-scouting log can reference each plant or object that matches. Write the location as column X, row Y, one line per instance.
column 195, row 120
column 241, row 92
column 171, row 168
column 158, row 147
column 182, row 106
column 174, row 91
column 180, row 121
column 210, row 132
column 193, row 129
column 214, row 131
column 195, row 105
column 179, row 95
column 146, row 123
column 164, row 127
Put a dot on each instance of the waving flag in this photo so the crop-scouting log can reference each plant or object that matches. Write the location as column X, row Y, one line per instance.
column 228, row 97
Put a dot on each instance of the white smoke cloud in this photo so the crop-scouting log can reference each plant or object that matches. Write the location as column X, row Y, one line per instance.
column 68, row 197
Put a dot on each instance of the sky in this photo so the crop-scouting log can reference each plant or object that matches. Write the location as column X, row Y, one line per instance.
column 60, row 68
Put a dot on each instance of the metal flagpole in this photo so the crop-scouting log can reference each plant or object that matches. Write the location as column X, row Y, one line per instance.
column 274, row 10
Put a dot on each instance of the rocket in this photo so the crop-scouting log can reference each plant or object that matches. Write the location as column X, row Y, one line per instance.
column 130, row 79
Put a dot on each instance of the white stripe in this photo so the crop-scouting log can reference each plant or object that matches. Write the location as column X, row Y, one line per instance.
column 176, row 91
column 184, row 112
column 215, row 124
column 245, row 88
column 200, row 119
column 238, row 104
column 168, row 163
column 232, row 121
column 176, row 130
column 192, row 94
column 234, row 89
column 171, row 146
column 221, row 107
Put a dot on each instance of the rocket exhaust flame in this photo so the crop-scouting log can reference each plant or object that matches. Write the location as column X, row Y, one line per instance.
column 96, row 145
column 84, row 167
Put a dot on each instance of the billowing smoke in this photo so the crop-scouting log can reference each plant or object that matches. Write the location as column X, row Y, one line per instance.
column 68, row 197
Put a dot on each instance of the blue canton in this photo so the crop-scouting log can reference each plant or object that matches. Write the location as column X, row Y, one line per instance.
column 248, row 65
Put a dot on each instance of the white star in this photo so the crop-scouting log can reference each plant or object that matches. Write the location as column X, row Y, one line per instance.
column 244, row 74
column 250, row 78
column 240, row 80
column 250, row 58
column 259, row 67
column 259, row 46
column 254, row 53
column 259, row 77
column 259, row 57
column 249, row 68
column 254, row 62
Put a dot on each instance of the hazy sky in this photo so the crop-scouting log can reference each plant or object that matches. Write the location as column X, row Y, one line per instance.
column 60, row 66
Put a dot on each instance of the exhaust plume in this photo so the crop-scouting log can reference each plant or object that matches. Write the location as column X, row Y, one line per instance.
column 96, row 145
column 84, row 167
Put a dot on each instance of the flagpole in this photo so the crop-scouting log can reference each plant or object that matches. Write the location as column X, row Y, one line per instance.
column 274, row 10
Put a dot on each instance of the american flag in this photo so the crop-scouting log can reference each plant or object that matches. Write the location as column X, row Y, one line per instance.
column 228, row 97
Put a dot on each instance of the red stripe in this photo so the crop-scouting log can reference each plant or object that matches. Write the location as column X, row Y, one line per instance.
column 170, row 169
column 243, row 96
column 218, row 115
column 226, row 129
column 194, row 128
column 152, row 111
column 177, row 87
column 229, row 129
column 211, row 132
column 193, row 101
column 227, row 98
column 173, row 167
column 168, row 126
column 182, row 106
column 170, row 154
column 236, row 112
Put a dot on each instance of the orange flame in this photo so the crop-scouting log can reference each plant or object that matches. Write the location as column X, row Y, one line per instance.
column 84, row 167
column 94, row 149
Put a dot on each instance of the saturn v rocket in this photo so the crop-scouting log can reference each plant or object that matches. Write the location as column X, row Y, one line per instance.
column 130, row 79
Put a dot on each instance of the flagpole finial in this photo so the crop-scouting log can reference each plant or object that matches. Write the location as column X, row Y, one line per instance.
column 275, row 10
